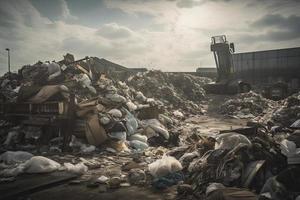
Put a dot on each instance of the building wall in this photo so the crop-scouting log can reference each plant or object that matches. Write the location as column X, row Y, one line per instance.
column 268, row 66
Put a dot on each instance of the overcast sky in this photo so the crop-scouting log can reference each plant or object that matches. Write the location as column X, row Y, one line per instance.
column 171, row 35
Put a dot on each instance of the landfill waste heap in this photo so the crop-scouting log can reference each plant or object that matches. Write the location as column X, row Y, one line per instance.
column 109, row 134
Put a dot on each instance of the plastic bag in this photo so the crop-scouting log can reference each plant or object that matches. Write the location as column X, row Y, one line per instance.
column 79, row 168
column 116, row 98
column 86, row 82
column 164, row 166
column 157, row 127
column 131, row 123
column 131, row 106
column 36, row 164
column 139, row 137
column 13, row 157
column 115, row 113
column 40, row 164
column 230, row 140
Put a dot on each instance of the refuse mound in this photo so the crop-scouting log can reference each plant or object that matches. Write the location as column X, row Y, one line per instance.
column 288, row 112
column 247, row 105
column 177, row 90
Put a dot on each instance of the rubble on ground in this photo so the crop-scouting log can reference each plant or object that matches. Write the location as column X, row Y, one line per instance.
column 289, row 112
column 140, row 132
column 177, row 90
column 247, row 105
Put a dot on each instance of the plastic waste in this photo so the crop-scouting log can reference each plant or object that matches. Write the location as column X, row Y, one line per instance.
column 85, row 81
column 10, row 137
column 102, row 179
column 116, row 98
column 36, row 164
column 139, row 137
column 230, row 140
column 178, row 114
column 13, row 157
column 131, row 123
column 139, row 145
column 40, row 164
column 87, row 148
column 140, row 97
column 131, row 106
column 164, row 166
column 296, row 124
column 115, row 112
column 79, row 168
column 157, row 126
column 187, row 157
column 104, row 120
column 53, row 69
column 290, row 150
column 164, row 119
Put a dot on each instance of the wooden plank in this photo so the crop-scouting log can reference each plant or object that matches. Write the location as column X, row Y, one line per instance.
column 29, row 183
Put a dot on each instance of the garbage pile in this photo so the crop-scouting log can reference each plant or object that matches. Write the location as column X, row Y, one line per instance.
column 247, row 105
column 128, row 133
column 177, row 90
column 107, row 112
column 246, row 161
column 288, row 112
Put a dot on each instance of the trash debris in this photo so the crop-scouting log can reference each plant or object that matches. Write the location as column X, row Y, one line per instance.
column 79, row 168
column 164, row 166
column 136, row 177
column 15, row 157
column 247, row 105
column 147, row 129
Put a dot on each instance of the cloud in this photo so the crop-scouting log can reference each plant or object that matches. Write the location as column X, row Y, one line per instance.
column 279, row 27
column 114, row 31
column 189, row 3
column 64, row 10
column 54, row 9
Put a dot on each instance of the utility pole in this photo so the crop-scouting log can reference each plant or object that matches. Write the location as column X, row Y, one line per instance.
column 8, row 57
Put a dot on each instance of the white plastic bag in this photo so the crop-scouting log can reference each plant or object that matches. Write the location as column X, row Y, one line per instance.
column 115, row 113
column 79, row 168
column 40, row 164
column 131, row 106
column 36, row 164
column 157, row 127
column 230, row 140
column 139, row 137
column 164, row 166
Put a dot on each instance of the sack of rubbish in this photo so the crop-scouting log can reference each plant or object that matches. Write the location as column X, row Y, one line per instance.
column 230, row 140
column 40, row 164
column 131, row 123
column 164, row 166
column 115, row 113
column 13, row 157
column 79, row 168
column 36, row 164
